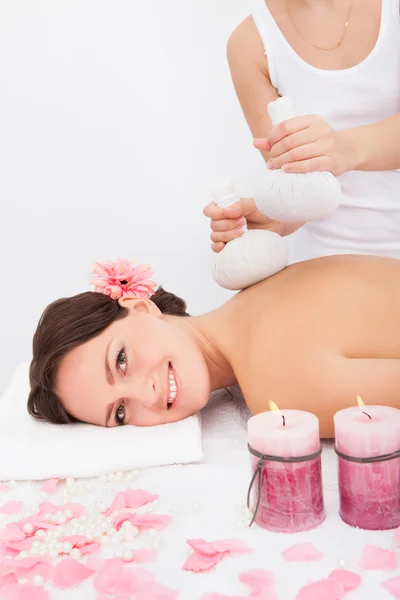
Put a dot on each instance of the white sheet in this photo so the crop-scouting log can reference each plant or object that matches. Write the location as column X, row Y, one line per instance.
column 220, row 484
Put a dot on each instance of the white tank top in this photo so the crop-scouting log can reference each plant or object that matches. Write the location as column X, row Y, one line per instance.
column 368, row 220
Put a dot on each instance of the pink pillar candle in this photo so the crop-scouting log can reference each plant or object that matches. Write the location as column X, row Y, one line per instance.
column 291, row 497
column 370, row 491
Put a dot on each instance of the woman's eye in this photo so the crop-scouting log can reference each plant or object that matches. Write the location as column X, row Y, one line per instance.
column 120, row 414
column 121, row 360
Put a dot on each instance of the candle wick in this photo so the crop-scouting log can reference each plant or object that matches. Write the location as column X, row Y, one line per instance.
column 284, row 420
column 365, row 413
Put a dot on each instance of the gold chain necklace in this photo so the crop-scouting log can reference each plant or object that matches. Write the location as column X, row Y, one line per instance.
column 314, row 45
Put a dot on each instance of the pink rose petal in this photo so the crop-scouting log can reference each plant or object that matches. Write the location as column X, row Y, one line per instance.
column 349, row 580
column 144, row 555
column 11, row 507
column 217, row 547
column 378, row 559
column 119, row 580
column 4, row 487
column 70, row 573
column 201, row 562
column 130, row 499
column 230, row 546
column 119, row 597
column 393, row 586
column 24, row 592
column 144, row 521
column 30, row 567
column 302, row 552
column 8, row 579
column 325, row 589
column 218, row 596
column 12, row 533
column 257, row 579
column 50, row 486
column 202, row 546
column 156, row 591
column 83, row 544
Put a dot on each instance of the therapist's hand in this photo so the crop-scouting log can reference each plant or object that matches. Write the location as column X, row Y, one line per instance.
column 306, row 144
column 227, row 223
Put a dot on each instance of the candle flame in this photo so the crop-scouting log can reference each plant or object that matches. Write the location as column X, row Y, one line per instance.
column 274, row 408
column 360, row 403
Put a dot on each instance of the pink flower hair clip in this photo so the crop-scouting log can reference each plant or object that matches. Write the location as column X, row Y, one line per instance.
column 123, row 279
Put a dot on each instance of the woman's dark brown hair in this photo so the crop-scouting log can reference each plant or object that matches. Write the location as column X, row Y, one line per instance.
column 66, row 324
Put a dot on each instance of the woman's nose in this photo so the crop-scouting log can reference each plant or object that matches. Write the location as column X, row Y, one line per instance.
column 148, row 393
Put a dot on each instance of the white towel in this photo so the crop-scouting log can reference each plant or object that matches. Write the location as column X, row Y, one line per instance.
column 30, row 449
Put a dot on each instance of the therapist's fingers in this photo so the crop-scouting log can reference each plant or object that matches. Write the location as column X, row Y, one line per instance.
column 217, row 247
column 215, row 213
column 227, row 224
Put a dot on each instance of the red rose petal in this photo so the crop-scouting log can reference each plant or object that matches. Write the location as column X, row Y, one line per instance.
column 302, row 552
column 393, row 586
column 11, row 507
column 70, row 573
column 50, row 486
column 257, row 579
column 378, row 559
column 349, row 580
column 24, row 592
column 325, row 589
column 199, row 563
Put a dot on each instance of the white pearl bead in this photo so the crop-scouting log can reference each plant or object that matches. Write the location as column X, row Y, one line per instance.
column 127, row 556
column 28, row 528
column 48, row 517
column 23, row 554
column 119, row 553
column 134, row 531
column 75, row 553
column 38, row 580
column 127, row 525
column 68, row 513
column 62, row 519
column 36, row 544
column 35, row 511
column 53, row 555
column 40, row 533
column 42, row 552
column 67, row 547
column 342, row 562
column 22, row 581
column 44, row 495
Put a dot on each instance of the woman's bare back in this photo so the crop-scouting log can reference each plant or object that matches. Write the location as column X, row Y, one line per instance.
column 320, row 333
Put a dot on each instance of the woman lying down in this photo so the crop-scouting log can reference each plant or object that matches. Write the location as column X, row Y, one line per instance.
column 312, row 337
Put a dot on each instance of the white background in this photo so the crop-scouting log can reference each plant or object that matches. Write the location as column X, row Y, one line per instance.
column 116, row 118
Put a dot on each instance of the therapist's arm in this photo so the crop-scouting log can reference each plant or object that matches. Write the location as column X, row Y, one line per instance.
column 374, row 147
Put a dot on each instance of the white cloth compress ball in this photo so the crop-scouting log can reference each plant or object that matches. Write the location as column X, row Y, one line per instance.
column 293, row 197
column 254, row 256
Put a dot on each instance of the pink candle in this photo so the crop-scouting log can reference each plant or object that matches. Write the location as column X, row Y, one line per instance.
column 369, row 491
column 289, row 494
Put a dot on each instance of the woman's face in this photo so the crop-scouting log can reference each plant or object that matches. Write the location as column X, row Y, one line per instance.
column 144, row 369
